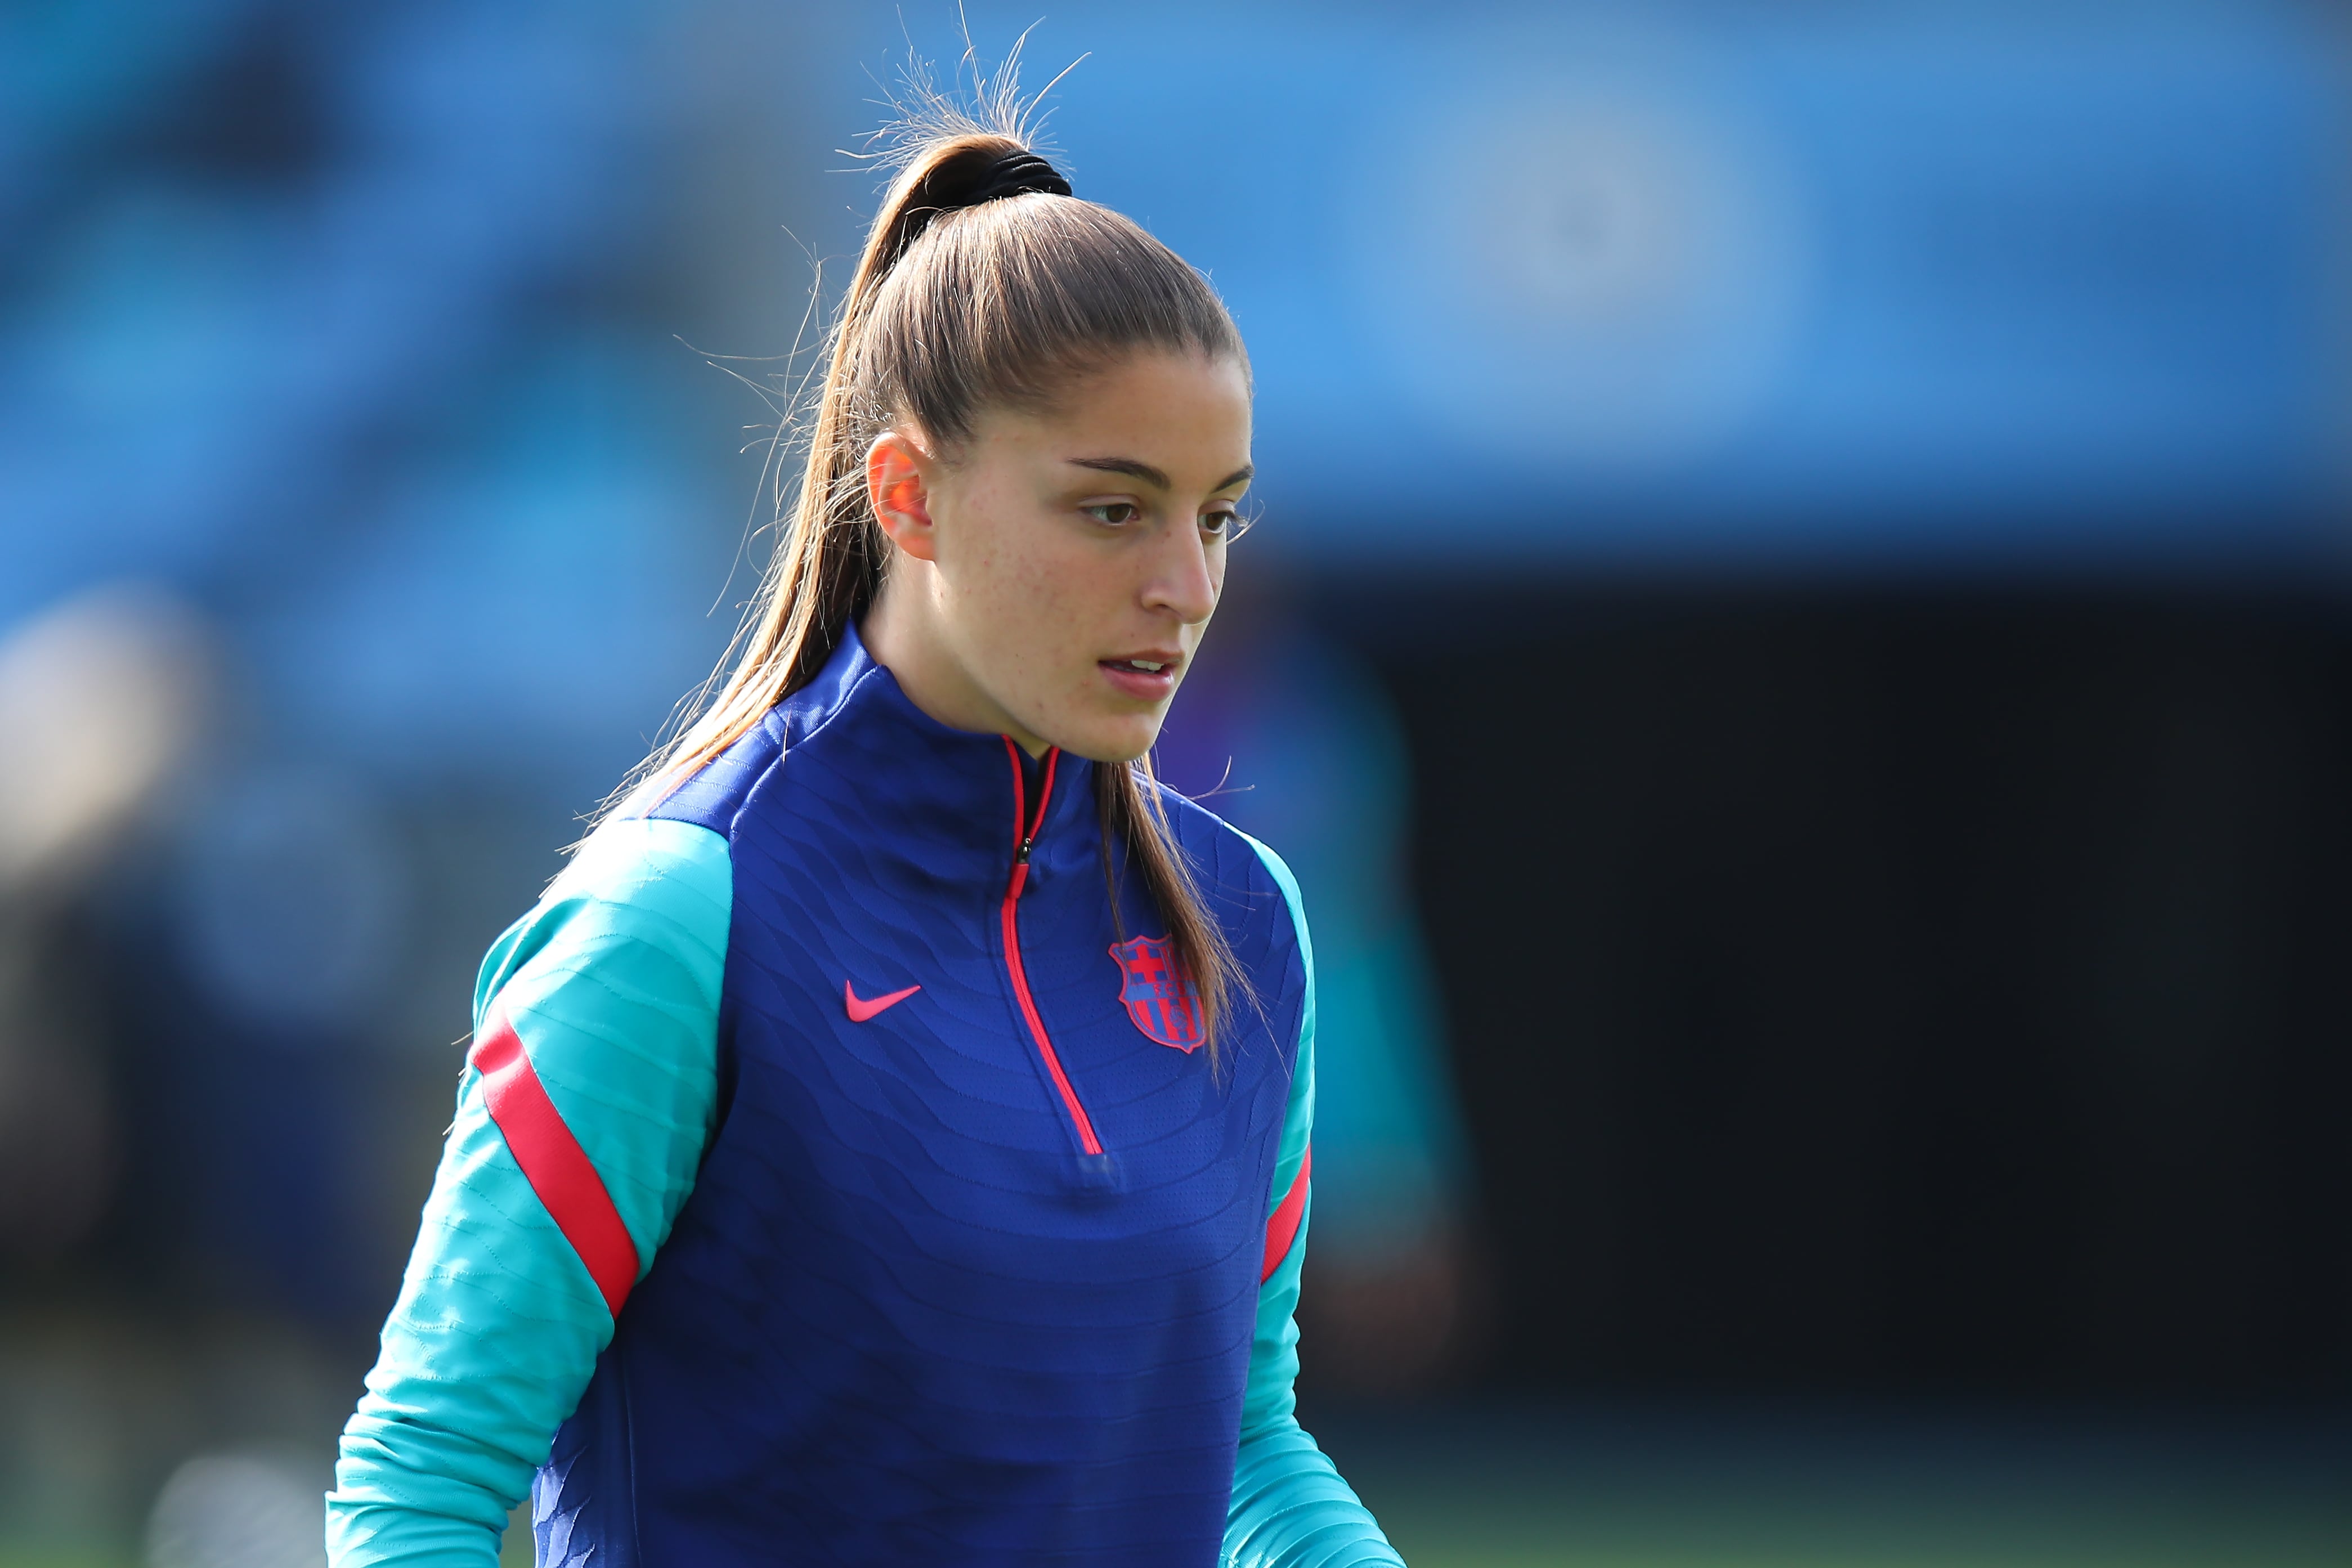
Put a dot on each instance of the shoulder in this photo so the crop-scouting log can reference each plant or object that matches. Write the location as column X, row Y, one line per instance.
column 658, row 886
column 646, row 861
column 712, row 796
column 715, row 794
column 1245, row 875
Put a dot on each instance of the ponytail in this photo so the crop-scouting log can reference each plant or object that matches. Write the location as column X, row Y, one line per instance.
column 983, row 283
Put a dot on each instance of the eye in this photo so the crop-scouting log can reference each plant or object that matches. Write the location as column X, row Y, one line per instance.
column 1114, row 513
column 1226, row 522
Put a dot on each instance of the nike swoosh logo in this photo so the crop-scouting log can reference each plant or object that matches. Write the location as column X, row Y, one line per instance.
column 861, row 1009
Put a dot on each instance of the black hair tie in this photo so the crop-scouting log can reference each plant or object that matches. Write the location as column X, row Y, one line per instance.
column 1016, row 175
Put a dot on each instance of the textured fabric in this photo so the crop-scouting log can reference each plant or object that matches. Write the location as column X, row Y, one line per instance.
column 1289, row 1509
column 906, row 1315
column 611, row 984
column 560, row 1173
column 894, row 1311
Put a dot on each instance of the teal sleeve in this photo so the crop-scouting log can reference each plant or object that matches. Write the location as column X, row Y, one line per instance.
column 1289, row 1508
column 612, row 984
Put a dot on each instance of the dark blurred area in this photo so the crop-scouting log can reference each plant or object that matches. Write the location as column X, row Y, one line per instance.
column 1902, row 990
column 1800, row 648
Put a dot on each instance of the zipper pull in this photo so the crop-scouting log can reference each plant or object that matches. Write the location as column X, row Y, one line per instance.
column 1021, row 867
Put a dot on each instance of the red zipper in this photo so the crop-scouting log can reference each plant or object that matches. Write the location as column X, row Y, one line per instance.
column 1025, row 833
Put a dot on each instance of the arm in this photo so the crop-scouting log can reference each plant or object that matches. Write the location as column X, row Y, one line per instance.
column 582, row 1115
column 1290, row 1509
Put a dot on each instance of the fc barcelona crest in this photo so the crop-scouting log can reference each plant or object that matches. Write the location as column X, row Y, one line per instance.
column 1158, row 998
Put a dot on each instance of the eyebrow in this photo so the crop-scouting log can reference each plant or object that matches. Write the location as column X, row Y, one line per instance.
column 1136, row 470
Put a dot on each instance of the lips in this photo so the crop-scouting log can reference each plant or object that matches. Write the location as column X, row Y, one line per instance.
column 1149, row 676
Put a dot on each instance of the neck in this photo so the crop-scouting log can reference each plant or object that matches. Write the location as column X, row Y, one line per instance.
column 901, row 633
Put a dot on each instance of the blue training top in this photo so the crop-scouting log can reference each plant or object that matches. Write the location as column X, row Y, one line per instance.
column 838, row 1176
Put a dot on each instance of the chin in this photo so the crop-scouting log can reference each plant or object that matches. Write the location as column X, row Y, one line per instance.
column 1120, row 740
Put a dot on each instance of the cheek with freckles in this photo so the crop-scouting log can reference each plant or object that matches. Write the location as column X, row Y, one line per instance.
column 1024, row 617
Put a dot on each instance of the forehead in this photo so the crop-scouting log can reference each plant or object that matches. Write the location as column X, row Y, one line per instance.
column 1178, row 412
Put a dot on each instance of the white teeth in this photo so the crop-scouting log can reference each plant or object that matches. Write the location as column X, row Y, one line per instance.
column 1146, row 664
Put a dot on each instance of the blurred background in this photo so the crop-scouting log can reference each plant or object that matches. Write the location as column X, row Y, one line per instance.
column 1800, row 646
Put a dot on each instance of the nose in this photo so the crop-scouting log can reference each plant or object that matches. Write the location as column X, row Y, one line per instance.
column 1182, row 580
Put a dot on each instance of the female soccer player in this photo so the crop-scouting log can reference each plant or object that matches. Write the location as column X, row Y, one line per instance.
column 887, row 1143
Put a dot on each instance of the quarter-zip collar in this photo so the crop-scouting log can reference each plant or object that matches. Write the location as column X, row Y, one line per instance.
column 950, row 791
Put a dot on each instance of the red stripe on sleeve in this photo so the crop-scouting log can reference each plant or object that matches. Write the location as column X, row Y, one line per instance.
column 553, row 1163
column 1283, row 1229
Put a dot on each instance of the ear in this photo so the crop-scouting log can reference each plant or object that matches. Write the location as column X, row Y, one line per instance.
column 897, row 485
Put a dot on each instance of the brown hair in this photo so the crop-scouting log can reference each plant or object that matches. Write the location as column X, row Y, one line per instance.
column 955, row 309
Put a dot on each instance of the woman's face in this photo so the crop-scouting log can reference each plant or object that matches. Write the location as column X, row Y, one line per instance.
column 1052, row 578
